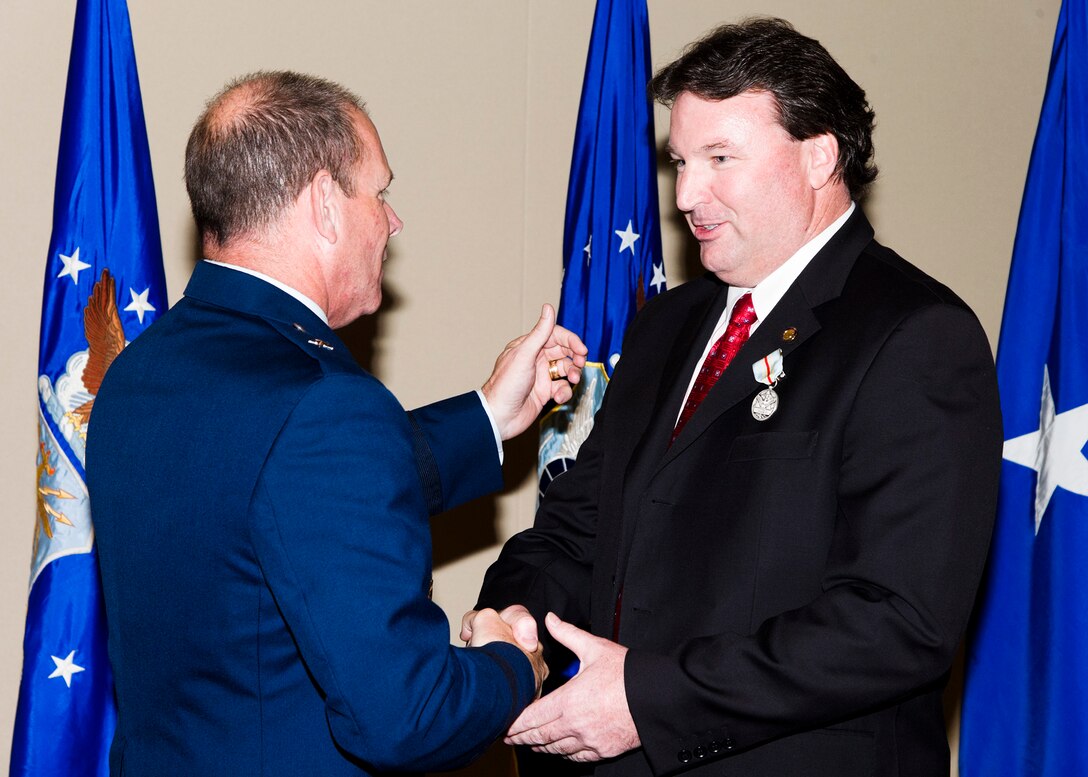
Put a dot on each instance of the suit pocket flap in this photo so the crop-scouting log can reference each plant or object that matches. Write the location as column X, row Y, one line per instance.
column 774, row 445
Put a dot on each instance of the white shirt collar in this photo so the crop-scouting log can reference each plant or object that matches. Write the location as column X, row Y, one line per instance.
column 313, row 306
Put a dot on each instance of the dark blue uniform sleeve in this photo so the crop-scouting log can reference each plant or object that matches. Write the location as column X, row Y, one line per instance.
column 340, row 524
column 456, row 452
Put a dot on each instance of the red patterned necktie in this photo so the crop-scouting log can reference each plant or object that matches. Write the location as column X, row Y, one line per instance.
column 721, row 353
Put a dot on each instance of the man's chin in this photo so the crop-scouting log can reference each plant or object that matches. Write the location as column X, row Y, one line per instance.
column 371, row 306
column 731, row 270
column 714, row 259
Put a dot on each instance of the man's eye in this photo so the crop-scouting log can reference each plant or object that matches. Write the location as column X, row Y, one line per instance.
column 677, row 163
column 720, row 160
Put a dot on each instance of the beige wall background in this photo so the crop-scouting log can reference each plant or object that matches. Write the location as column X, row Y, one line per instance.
column 476, row 103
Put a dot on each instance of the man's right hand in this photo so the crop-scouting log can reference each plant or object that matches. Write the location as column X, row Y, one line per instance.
column 539, row 367
column 514, row 625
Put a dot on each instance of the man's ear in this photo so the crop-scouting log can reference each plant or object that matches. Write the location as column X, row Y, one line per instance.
column 323, row 197
column 823, row 159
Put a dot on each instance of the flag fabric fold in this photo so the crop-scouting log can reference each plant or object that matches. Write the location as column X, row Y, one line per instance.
column 1026, row 685
column 104, row 284
column 612, row 238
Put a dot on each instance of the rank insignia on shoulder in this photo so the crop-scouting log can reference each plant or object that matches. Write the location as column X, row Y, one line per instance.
column 319, row 344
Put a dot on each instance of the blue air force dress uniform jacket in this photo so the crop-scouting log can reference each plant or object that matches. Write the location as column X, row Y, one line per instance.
column 261, row 506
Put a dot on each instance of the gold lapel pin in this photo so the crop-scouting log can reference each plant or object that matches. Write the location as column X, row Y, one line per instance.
column 790, row 334
column 319, row 344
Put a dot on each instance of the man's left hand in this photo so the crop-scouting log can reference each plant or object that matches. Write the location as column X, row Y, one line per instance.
column 521, row 383
column 588, row 718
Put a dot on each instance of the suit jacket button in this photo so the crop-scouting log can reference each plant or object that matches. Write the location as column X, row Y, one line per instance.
column 715, row 746
column 700, row 752
column 684, row 756
column 729, row 743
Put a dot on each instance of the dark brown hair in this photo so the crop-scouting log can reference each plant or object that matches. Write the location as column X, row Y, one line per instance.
column 813, row 93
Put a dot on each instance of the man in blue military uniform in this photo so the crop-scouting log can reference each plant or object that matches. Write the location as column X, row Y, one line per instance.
column 261, row 503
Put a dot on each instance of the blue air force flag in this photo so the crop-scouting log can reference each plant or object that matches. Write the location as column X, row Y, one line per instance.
column 103, row 286
column 1026, row 696
column 612, row 239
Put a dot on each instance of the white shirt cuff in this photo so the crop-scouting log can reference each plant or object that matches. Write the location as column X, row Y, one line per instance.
column 494, row 426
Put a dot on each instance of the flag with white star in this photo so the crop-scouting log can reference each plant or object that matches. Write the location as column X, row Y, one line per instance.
column 612, row 241
column 1025, row 705
column 104, row 285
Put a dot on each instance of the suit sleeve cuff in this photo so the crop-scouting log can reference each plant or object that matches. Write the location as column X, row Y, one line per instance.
column 519, row 673
column 669, row 742
column 491, row 418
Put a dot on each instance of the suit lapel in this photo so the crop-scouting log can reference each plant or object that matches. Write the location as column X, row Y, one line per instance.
column 686, row 346
column 681, row 364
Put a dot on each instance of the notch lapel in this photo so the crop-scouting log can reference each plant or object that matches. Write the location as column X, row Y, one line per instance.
column 679, row 367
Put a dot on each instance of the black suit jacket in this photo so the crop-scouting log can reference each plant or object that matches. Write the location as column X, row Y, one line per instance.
column 794, row 589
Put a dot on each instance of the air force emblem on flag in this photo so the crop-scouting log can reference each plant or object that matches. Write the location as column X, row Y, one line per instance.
column 64, row 521
column 566, row 427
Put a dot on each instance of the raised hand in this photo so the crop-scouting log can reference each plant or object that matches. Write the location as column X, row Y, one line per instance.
column 533, row 369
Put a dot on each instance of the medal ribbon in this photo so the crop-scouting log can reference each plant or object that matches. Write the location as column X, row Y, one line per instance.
column 768, row 370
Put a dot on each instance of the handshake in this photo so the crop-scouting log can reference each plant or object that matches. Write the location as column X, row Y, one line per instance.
column 514, row 625
column 585, row 720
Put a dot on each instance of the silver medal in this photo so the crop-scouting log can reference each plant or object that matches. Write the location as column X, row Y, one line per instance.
column 764, row 405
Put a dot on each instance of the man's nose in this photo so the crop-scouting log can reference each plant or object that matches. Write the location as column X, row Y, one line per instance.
column 395, row 224
column 690, row 190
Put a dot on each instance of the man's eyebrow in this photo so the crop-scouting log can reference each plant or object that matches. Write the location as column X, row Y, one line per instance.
column 715, row 146
column 718, row 146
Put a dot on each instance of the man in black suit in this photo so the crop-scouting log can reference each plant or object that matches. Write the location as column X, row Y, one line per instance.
column 775, row 566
